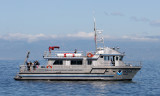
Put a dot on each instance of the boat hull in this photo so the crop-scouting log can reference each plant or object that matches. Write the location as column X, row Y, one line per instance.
column 108, row 74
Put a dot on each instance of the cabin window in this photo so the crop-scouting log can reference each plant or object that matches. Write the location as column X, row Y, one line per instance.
column 117, row 58
column 58, row 62
column 76, row 62
column 89, row 62
column 121, row 58
column 106, row 58
column 113, row 58
column 101, row 56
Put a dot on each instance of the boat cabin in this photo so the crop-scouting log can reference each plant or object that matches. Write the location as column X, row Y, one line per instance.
column 106, row 56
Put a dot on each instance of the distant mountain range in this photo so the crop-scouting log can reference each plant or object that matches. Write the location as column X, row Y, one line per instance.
column 16, row 50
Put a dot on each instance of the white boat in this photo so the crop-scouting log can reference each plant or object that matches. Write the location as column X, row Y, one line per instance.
column 103, row 64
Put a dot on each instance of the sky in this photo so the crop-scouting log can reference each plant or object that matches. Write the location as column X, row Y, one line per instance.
column 35, row 21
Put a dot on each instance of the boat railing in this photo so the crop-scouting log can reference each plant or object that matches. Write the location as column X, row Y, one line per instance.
column 43, row 68
column 24, row 68
column 63, row 53
column 133, row 63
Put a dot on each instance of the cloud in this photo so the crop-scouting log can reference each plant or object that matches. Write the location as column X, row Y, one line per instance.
column 141, row 38
column 114, row 13
column 117, row 14
column 155, row 23
column 90, row 35
column 106, row 13
column 80, row 35
column 26, row 37
column 154, row 37
column 37, row 37
column 141, row 19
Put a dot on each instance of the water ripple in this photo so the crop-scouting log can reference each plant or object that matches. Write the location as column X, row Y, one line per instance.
column 145, row 83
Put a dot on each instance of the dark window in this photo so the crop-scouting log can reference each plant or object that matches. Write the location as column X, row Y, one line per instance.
column 89, row 62
column 43, row 66
column 76, row 62
column 73, row 62
column 79, row 62
column 121, row 58
column 58, row 62
column 117, row 58
column 106, row 58
column 113, row 58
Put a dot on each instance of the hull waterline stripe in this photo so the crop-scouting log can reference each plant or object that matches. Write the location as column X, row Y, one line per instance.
column 67, row 76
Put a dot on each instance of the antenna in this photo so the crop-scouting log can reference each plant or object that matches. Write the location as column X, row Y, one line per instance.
column 95, row 34
column 98, row 37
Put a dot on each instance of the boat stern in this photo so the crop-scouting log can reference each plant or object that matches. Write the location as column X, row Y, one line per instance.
column 17, row 77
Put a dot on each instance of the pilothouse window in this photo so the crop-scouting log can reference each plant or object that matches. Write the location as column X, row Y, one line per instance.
column 121, row 58
column 89, row 62
column 106, row 58
column 116, row 58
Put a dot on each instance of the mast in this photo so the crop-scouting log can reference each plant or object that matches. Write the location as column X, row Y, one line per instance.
column 95, row 34
column 98, row 37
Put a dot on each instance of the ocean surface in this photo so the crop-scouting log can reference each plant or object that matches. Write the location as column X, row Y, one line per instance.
column 145, row 83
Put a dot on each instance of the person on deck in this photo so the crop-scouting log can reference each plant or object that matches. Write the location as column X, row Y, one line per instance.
column 34, row 65
column 28, row 66
column 31, row 65
column 37, row 63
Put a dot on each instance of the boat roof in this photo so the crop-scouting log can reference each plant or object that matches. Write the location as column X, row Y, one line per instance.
column 63, row 58
column 106, row 51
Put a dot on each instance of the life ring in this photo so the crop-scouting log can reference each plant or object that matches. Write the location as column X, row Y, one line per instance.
column 90, row 54
column 49, row 66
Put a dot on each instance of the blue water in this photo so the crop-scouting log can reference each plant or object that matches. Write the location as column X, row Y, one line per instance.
column 145, row 83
